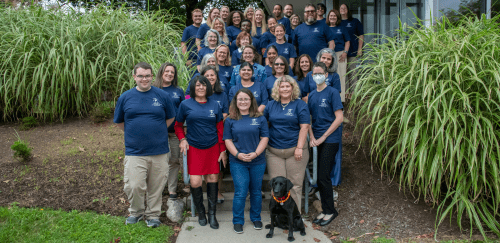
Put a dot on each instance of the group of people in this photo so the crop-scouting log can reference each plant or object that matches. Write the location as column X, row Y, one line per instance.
column 254, row 113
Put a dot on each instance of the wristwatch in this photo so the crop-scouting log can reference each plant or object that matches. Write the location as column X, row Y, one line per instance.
column 346, row 51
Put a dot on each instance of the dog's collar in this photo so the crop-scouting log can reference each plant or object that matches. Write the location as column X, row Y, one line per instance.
column 281, row 200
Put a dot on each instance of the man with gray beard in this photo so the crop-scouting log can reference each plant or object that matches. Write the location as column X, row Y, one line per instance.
column 312, row 36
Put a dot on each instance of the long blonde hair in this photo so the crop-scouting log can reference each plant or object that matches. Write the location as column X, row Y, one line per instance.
column 288, row 79
column 224, row 37
column 254, row 26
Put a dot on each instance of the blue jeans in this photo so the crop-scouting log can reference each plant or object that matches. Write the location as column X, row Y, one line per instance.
column 247, row 177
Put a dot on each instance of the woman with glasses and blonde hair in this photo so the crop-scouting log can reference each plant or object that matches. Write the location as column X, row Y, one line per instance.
column 246, row 135
column 249, row 13
column 289, row 118
column 223, row 59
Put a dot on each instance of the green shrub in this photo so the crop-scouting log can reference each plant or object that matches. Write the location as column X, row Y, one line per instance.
column 28, row 122
column 101, row 112
column 432, row 101
column 54, row 63
column 21, row 149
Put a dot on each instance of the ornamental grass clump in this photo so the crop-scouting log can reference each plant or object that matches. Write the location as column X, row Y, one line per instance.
column 56, row 63
column 431, row 99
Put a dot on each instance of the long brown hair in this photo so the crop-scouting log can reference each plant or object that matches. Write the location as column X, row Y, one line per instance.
column 296, row 68
column 159, row 76
column 234, row 112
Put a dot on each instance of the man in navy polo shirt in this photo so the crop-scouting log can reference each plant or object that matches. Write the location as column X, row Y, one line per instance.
column 188, row 42
column 312, row 36
column 144, row 114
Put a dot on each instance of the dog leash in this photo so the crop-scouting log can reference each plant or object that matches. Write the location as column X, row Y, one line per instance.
column 281, row 200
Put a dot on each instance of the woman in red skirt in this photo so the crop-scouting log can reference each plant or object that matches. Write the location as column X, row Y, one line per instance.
column 203, row 144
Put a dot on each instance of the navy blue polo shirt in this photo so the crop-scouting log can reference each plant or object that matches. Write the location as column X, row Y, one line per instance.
column 332, row 80
column 246, row 133
column 322, row 106
column 310, row 39
column 355, row 29
column 258, row 90
column 189, row 37
column 340, row 36
column 176, row 95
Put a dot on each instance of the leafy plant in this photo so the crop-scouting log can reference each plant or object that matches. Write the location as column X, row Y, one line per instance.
column 431, row 100
column 28, row 122
column 56, row 63
column 21, row 149
column 101, row 112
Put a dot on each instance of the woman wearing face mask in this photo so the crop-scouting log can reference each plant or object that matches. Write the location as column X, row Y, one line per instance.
column 251, row 56
column 326, row 134
column 342, row 43
column 302, row 67
column 280, row 68
column 259, row 26
column 329, row 58
column 284, row 48
column 289, row 118
column 223, row 59
column 246, row 71
column 212, row 40
column 202, row 31
column 233, row 24
column 167, row 80
column 243, row 40
column 210, row 60
column 268, row 37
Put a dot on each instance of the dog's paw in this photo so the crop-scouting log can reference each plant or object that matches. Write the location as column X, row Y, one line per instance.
column 291, row 238
column 303, row 232
column 269, row 235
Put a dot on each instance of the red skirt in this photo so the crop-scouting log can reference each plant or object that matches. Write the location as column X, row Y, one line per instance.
column 203, row 161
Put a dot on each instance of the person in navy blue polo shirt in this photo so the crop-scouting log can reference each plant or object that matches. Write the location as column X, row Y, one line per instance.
column 212, row 14
column 144, row 114
column 312, row 36
column 243, row 39
column 258, row 89
column 167, row 80
column 212, row 40
column 326, row 134
column 356, row 33
column 277, row 12
column 246, row 135
column 259, row 24
column 284, row 48
column 188, row 41
column 203, row 145
column 342, row 44
column 280, row 69
column 268, row 37
column 223, row 58
column 289, row 119
column 302, row 67
column 233, row 24
column 327, row 57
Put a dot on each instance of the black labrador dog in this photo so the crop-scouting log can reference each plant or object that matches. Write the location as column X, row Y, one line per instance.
column 284, row 211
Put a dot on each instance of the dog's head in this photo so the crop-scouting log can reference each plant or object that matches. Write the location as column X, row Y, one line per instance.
column 280, row 186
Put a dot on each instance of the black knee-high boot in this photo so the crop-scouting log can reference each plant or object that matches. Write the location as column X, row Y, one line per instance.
column 212, row 191
column 197, row 194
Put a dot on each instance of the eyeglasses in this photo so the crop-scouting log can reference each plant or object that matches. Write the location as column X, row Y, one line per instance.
column 310, row 11
column 243, row 100
column 279, row 64
column 146, row 76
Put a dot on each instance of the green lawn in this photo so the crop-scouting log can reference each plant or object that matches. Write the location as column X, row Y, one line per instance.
column 47, row 225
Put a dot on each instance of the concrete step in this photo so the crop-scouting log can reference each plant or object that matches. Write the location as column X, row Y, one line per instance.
column 228, row 185
column 228, row 202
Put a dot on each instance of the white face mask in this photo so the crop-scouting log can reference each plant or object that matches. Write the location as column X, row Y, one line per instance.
column 319, row 78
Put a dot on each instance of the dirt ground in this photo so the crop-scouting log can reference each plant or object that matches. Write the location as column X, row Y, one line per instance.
column 79, row 165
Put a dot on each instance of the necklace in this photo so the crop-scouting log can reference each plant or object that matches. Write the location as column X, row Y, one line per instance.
column 284, row 106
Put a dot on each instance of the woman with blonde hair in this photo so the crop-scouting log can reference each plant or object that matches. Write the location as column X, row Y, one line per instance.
column 223, row 59
column 258, row 25
column 249, row 13
column 289, row 118
column 219, row 25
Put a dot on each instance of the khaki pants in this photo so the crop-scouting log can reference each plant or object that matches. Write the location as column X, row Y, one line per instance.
column 145, row 175
column 281, row 162
column 341, row 70
column 352, row 77
column 173, row 162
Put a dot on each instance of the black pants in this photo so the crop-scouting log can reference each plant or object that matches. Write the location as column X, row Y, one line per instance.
column 326, row 163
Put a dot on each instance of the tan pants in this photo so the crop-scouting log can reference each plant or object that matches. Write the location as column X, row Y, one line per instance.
column 281, row 162
column 352, row 77
column 145, row 175
column 174, row 163
column 341, row 70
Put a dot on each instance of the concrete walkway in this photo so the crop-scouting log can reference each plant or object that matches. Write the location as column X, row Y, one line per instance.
column 192, row 232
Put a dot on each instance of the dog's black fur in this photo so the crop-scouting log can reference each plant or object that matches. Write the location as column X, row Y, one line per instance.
column 286, row 216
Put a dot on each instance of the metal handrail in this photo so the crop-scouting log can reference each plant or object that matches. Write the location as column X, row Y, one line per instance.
column 185, row 175
column 308, row 181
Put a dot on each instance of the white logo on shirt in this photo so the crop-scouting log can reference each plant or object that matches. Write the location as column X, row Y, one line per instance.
column 327, row 83
column 222, row 84
column 211, row 113
column 254, row 122
column 323, row 104
column 255, row 94
column 175, row 96
column 315, row 30
column 348, row 25
column 339, row 31
column 227, row 74
column 286, row 51
column 289, row 113
column 155, row 102
column 220, row 106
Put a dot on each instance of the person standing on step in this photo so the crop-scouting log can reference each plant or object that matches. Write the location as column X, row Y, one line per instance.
column 188, row 42
column 144, row 114
column 203, row 145
column 326, row 134
column 246, row 135
column 167, row 80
